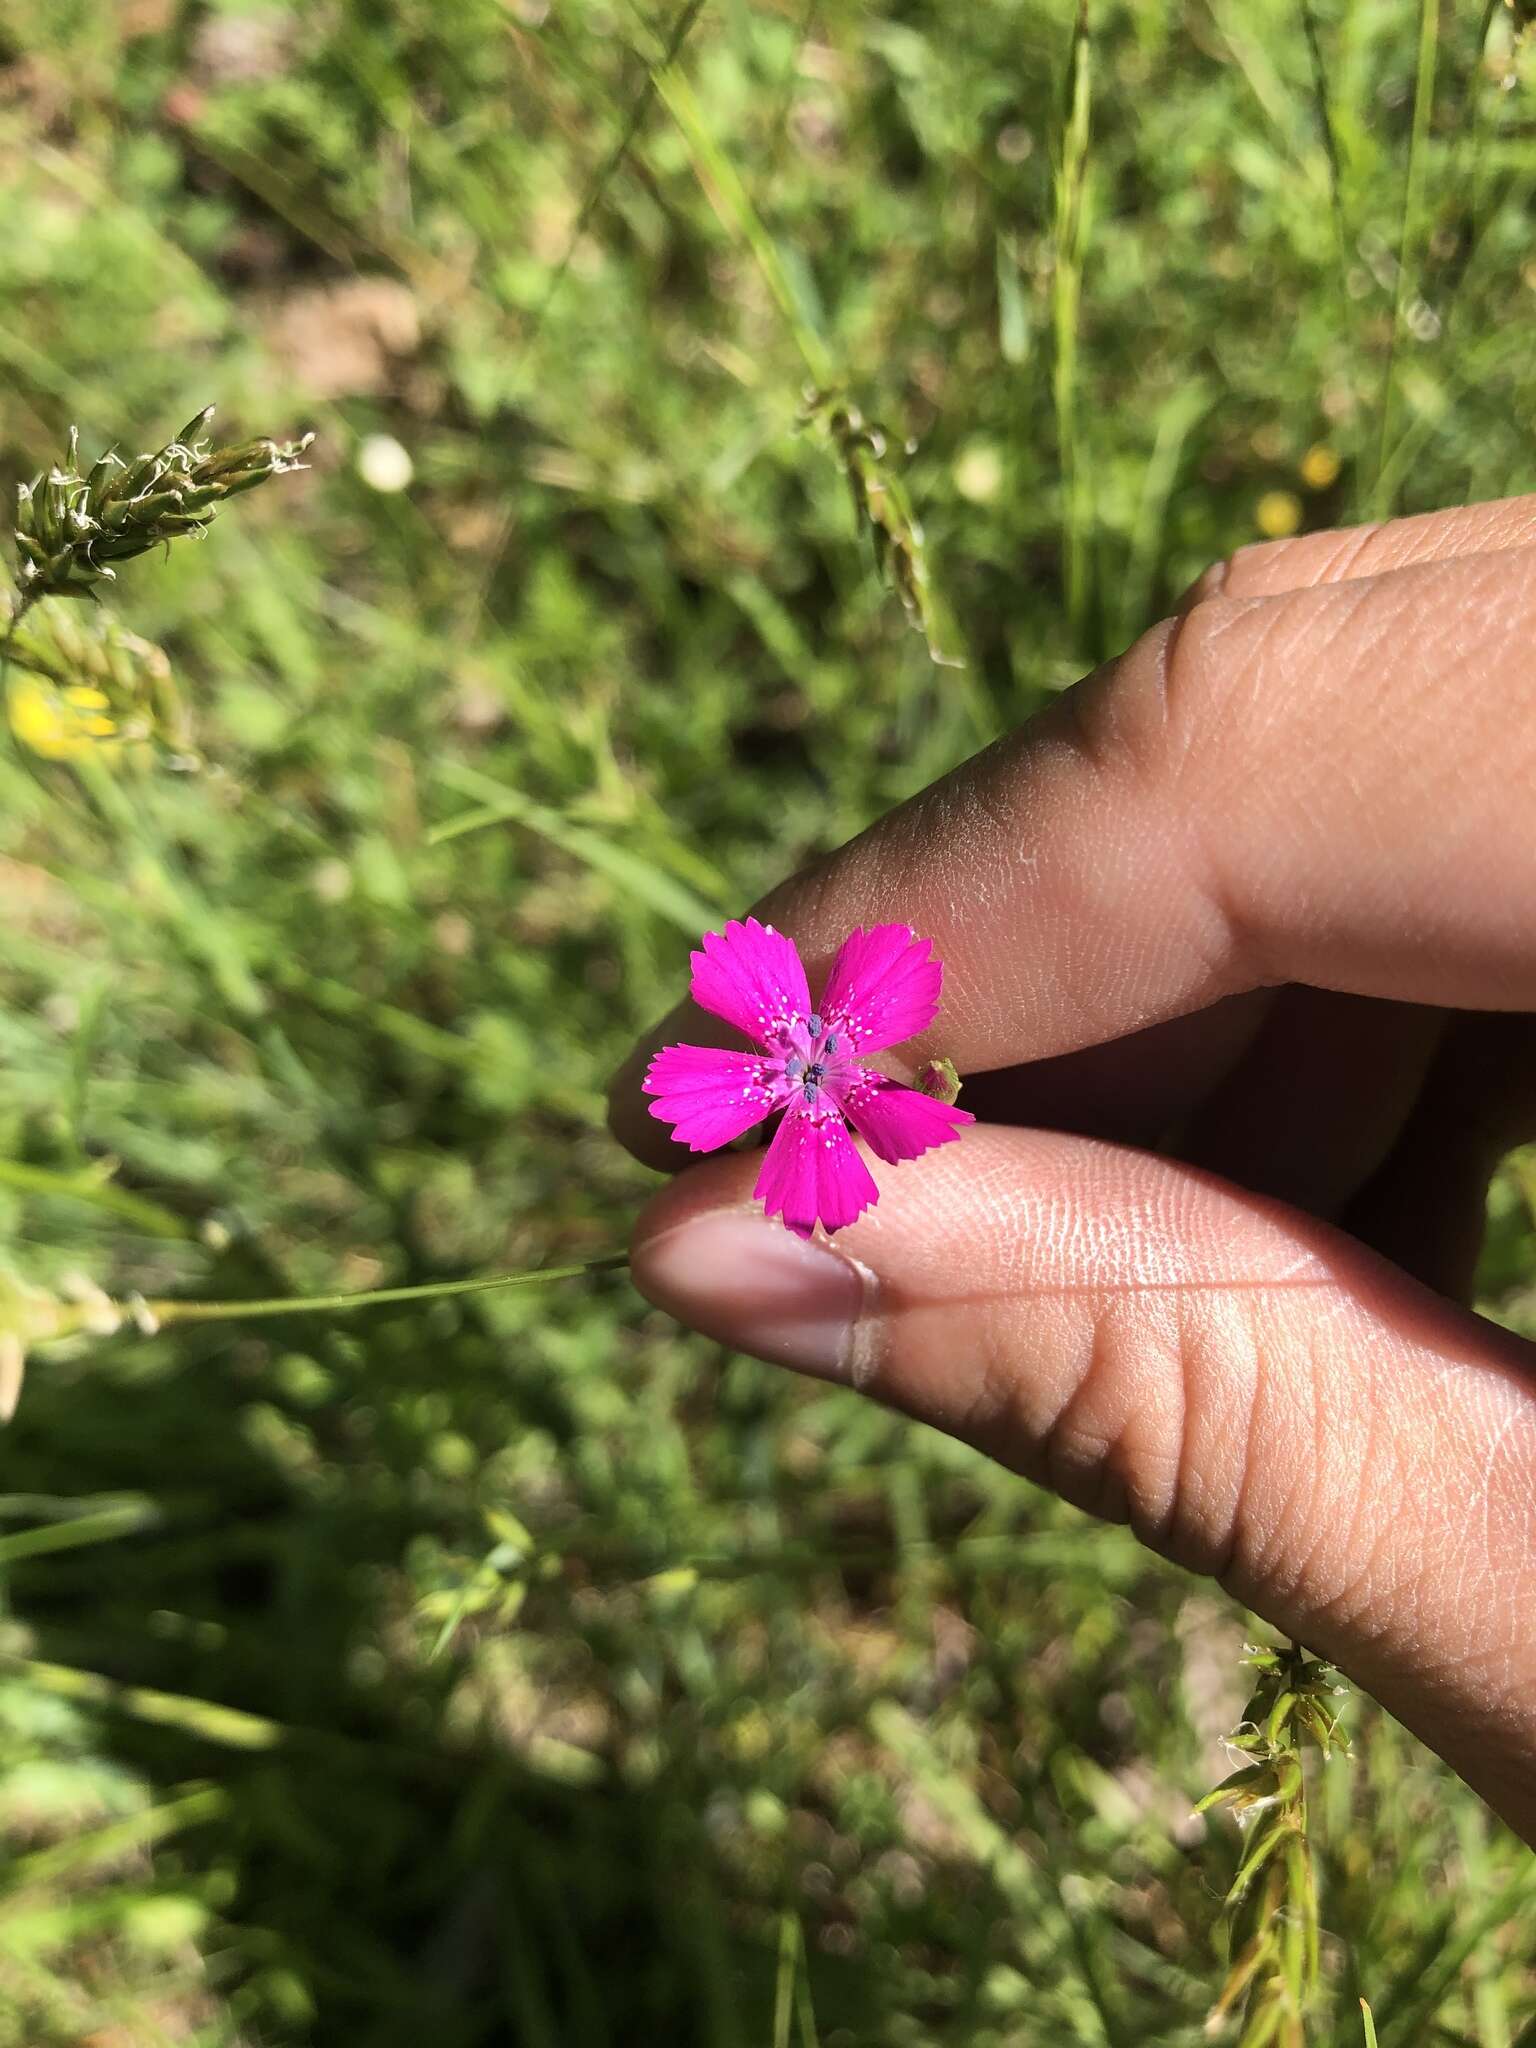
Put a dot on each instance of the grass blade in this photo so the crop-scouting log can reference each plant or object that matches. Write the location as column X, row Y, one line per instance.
column 631, row 871
column 728, row 195
column 100, row 1525
column 1066, row 306
column 1322, row 105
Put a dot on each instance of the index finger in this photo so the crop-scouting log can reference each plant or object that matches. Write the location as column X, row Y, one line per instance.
column 1345, row 554
column 1284, row 788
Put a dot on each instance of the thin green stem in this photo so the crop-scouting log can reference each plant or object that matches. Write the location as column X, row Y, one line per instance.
column 25, row 599
column 681, row 29
column 1271, row 1905
column 105, row 1524
column 729, row 196
column 1407, row 268
column 163, row 1313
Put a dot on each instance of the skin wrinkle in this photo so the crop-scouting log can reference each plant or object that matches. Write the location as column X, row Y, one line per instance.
column 1454, row 1570
column 1333, row 1541
column 1100, row 1238
column 998, row 1386
column 1307, row 1561
column 964, row 807
column 1163, row 1488
column 1442, row 1669
column 1352, row 556
column 1500, row 527
column 1069, row 1444
column 1083, row 1451
column 1215, row 1385
column 1250, row 700
column 1175, row 748
column 1063, row 755
column 1131, row 727
column 1521, row 1459
column 1100, row 1253
column 1220, row 1361
column 1268, row 568
column 1466, row 1492
column 1258, row 569
column 1171, row 1508
column 959, row 835
column 1255, row 1521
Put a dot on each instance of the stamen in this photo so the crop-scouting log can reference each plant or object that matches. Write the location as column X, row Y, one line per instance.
column 814, row 1026
column 794, row 1067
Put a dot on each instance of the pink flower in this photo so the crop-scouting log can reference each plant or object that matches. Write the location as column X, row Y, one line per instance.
column 883, row 988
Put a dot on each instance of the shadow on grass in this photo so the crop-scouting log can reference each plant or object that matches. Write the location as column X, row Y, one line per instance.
column 397, row 1882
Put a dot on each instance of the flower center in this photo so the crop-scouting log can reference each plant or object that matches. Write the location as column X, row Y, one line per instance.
column 813, row 1061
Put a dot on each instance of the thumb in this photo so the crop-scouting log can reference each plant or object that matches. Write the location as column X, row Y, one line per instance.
column 1259, row 1396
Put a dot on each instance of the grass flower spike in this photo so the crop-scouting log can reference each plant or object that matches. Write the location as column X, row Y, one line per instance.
column 73, row 524
column 883, row 988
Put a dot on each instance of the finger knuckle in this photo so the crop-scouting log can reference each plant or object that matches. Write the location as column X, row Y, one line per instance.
column 1112, row 1450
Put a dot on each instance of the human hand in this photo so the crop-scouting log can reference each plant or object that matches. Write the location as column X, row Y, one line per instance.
column 1260, row 894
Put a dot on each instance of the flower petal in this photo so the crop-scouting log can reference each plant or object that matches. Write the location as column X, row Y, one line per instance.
column 751, row 975
column 709, row 1096
column 813, row 1175
column 884, row 987
column 898, row 1123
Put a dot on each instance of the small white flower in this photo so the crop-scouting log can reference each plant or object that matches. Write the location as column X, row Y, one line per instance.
column 383, row 464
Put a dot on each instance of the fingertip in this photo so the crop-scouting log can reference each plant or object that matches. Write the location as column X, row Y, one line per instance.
column 704, row 1252
column 737, row 1276
column 1211, row 583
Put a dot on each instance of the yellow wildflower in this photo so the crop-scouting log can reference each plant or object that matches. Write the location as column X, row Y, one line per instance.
column 1278, row 513
column 1319, row 467
column 59, row 724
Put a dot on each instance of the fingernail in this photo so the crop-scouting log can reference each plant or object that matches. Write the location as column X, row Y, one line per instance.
column 753, row 1285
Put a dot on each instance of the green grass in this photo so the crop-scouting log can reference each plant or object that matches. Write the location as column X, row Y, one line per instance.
column 518, row 1669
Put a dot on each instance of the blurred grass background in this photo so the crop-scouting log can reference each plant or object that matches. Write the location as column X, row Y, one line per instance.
column 524, row 1670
